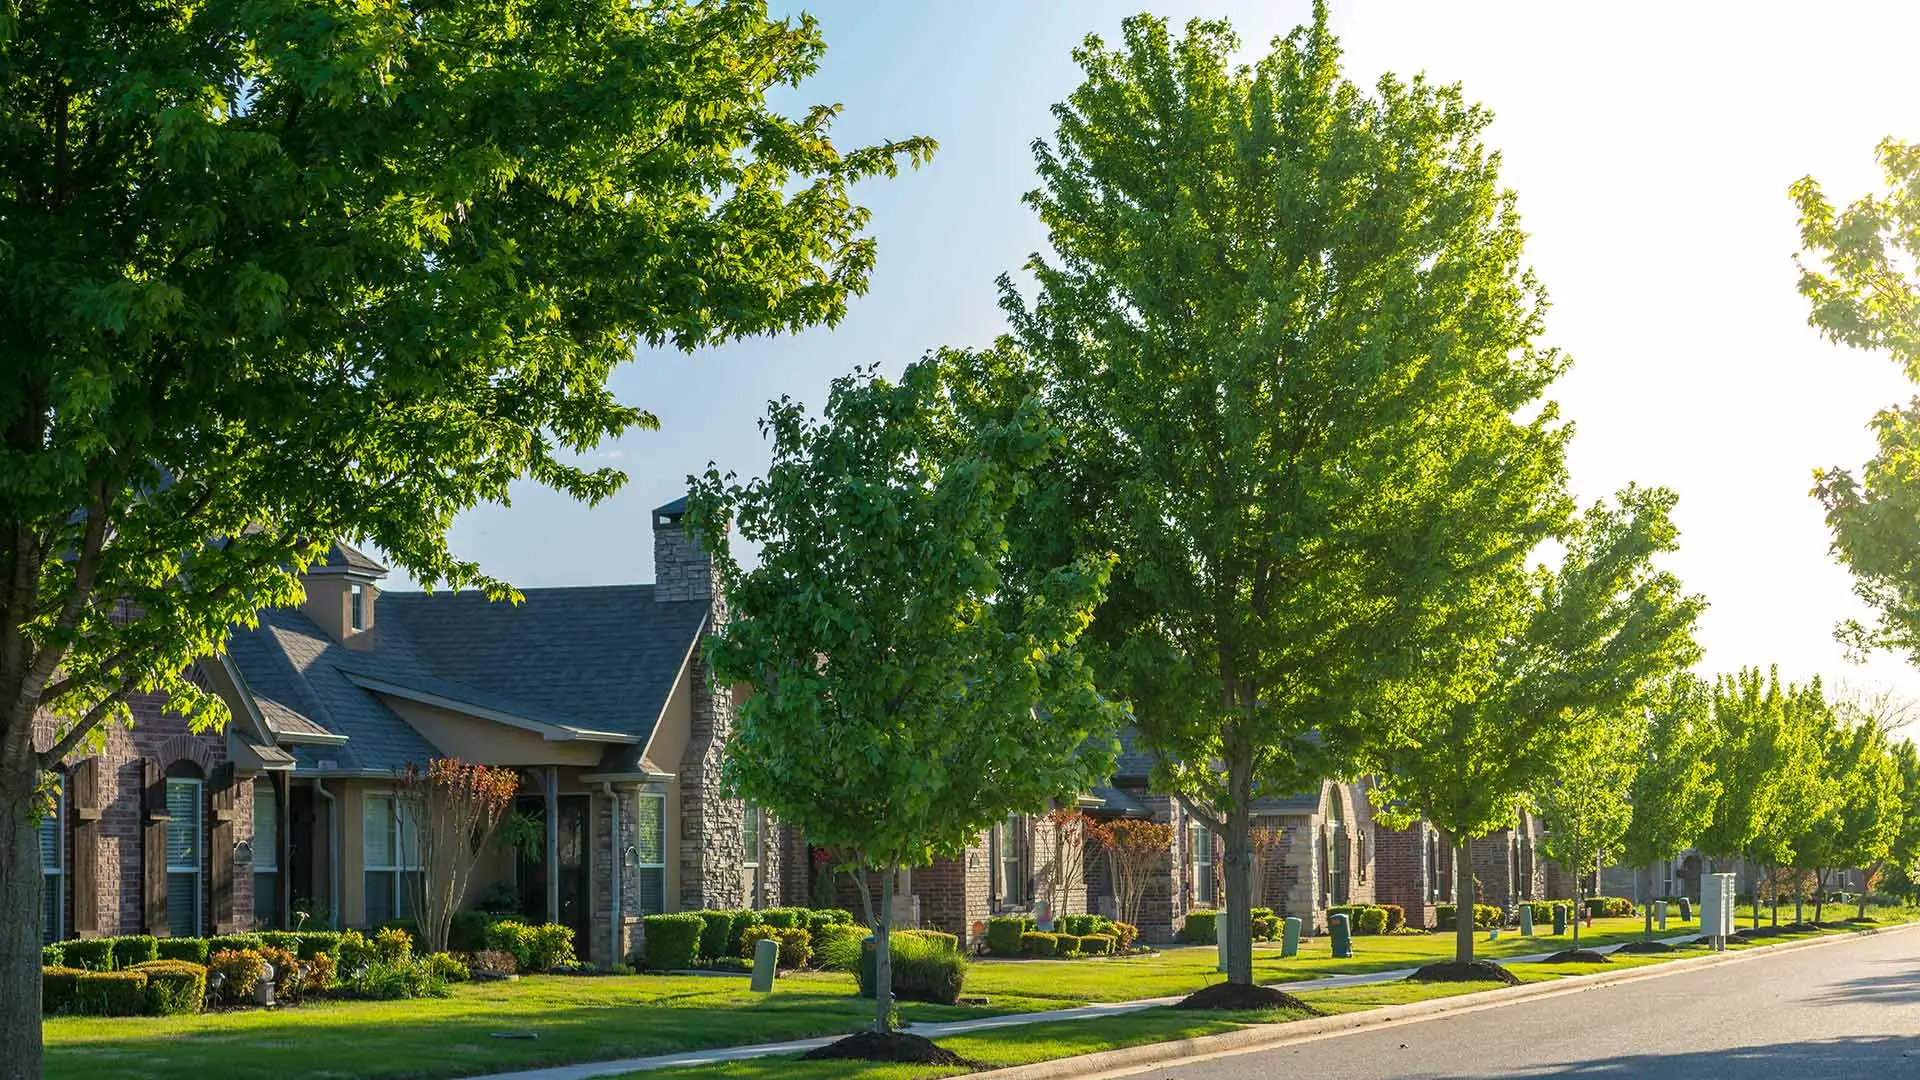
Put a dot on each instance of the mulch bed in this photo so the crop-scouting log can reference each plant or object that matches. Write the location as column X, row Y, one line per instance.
column 1239, row 997
column 1644, row 947
column 1577, row 956
column 1765, row 931
column 1735, row 939
column 1473, row 971
column 894, row 1046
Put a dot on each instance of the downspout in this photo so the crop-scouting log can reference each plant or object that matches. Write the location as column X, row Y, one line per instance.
column 333, row 850
column 619, row 859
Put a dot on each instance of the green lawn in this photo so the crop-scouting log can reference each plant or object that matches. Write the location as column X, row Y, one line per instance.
column 594, row 1019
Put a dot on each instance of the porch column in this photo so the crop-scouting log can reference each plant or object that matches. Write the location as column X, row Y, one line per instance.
column 552, row 785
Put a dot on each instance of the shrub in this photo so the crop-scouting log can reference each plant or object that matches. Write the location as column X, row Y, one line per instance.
column 713, row 936
column 174, row 987
column 110, row 993
column 1605, row 907
column 468, row 931
column 1003, row 935
column 737, row 964
column 673, row 941
column 409, row 977
column 234, row 943
column 353, row 951
column 1066, row 946
column 193, row 950
column 1373, row 920
column 1124, row 935
column 281, row 939
column 320, row 974
column 1199, row 929
column 741, row 920
column 1396, row 917
column 837, row 947
column 494, row 961
column 1077, row 924
column 239, row 971
column 57, row 985
column 286, row 971
column 944, row 940
column 315, row 942
column 796, row 948
column 1096, row 944
column 1265, row 927
column 820, row 918
column 134, row 949
column 52, row 956
column 92, row 954
column 1486, row 916
column 393, row 945
column 515, row 938
column 447, row 968
column 922, row 971
column 784, row 918
column 552, row 947
column 1035, row 943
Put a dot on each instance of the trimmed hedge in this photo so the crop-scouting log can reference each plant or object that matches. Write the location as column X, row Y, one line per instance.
column 53, row 956
column 240, row 971
column 923, row 970
column 819, row 919
column 946, row 941
column 90, row 954
column 784, row 918
column 1096, row 944
column 673, row 941
column 110, row 993
column 57, row 986
column 741, row 920
column 1035, row 943
column 795, row 945
column 174, row 987
column 134, row 949
column 1003, row 935
column 1200, row 928
column 1605, row 907
column 1485, row 916
column 190, row 950
column 234, row 943
column 285, row 940
column 1396, row 916
column 713, row 936
column 315, row 942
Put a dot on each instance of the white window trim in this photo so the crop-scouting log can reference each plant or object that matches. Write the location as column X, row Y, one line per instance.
column 357, row 607
column 1006, row 868
column 639, row 857
column 1200, row 838
column 59, row 868
column 400, row 865
column 759, row 823
column 199, row 867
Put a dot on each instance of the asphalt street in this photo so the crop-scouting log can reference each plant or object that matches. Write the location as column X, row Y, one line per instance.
column 1834, row 1012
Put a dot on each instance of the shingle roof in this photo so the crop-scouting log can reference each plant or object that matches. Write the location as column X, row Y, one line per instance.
column 343, row 556
column 1134, row 762
column 1306, row 802
column 1116, row 801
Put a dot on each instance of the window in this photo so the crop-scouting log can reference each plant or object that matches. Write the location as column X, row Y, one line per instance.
column 390, row 846
column 53, row 868
column 266, row 854
column 1009, row 878
column 650, row 853
column 357, row 616
column 184, row 799
column 750, row 844
column 1204, row 891
column 1433, row 864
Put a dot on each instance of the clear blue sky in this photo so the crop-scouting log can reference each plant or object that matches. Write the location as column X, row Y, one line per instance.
column 1651, row 145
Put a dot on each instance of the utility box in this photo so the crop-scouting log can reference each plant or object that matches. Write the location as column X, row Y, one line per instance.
column 1342, row 934
column 1290, row 937
column 1660, row 914
column 1716, row 908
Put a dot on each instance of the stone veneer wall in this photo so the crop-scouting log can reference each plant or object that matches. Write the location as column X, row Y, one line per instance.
column 606, row 949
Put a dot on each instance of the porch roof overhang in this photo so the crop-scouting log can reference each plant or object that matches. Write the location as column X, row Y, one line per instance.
column 249, row 756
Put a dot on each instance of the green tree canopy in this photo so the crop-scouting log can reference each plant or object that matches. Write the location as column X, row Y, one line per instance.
column 1575, row 646
column 1286, row 325
column 273, row 273
column 911, row 684
column 1583, row 803
column 1674, row 788
column 1767, row 756
column 1861, row 275
column 1861, row 810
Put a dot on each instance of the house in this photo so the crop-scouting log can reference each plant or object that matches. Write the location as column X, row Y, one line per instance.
column 599, row 696
column 1416, row 869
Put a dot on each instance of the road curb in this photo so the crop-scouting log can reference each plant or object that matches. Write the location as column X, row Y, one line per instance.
column 1108, row 1063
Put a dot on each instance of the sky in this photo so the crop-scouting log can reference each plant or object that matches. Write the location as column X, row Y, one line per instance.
column 1650, row 144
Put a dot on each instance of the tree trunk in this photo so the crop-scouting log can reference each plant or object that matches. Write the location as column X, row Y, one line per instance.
column 20, row 926
column 1756, row 898
column 1464, row 924
column 883, row 956
column 1579, row 907
column 1239, row 858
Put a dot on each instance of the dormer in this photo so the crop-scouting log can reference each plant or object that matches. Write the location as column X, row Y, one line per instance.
column 343, row 590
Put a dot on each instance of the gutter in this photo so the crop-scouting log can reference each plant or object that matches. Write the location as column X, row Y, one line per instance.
column 333, row 850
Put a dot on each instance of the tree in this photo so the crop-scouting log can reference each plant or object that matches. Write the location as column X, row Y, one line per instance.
column 1065, row 871
column 1861, row 788
column 1134, row 850
column 1264, row 844
column 1861, row 279
column 1765, row 754
column 1286, row 326
column 911, row 687
column 272, row 277
column 1574, row 647
column 1674, row 787
column 451, row 809
column 1904, row 856
column 1584, row 804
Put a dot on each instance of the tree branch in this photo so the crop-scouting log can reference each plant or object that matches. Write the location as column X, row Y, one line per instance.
column 91, row 543
column 82, row 728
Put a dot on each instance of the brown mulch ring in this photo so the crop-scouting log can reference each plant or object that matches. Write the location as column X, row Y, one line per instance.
column 1764, row 931
column 1242, row 998
column 894, row 1046
column 1472, row 971
column 1735, row 939
column 1577, row 956
column 1644, row 947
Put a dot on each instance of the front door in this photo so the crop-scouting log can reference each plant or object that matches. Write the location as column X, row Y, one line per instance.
column 570, row 867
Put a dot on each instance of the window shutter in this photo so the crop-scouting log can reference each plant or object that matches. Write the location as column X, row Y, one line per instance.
column 87, row 786
column 220, row 849
column 153, row 849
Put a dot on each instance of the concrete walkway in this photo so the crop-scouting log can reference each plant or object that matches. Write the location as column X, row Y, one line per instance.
column 962, row 1027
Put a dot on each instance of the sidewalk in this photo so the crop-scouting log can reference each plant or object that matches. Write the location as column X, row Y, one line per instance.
column 959, row 1027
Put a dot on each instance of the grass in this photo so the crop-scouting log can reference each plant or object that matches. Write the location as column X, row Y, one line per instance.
column 597, row 1019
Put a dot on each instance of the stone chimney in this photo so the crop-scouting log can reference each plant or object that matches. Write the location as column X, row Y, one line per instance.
column 681, row 571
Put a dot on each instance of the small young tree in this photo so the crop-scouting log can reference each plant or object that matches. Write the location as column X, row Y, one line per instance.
column 1861, row 815
column 449, row 810
column 1065, row 871
column 1584, row 804
column 910, row 687
column 1135, row 850
column 1674, row 788
column 1264, row 844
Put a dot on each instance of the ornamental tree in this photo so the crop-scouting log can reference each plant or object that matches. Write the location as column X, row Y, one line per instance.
column 911, row 686
column 1135, row 849
column 273, row 273
column 1286, row 325
column 451, row 809
column 1574, row 647
column 1674, row 787
column 1583, row 803
column 1860, row 273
